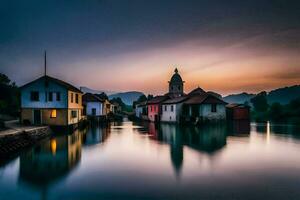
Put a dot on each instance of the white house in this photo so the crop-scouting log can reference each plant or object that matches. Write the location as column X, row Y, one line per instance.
column 172, row 109
column 93, row 105
column 204, row 106
column 141, row 109
column 50, row 101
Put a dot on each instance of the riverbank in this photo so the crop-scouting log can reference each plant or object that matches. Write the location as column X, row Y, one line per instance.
column 13, row 140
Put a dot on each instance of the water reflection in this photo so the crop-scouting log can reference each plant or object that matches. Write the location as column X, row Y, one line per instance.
column 206, row 139
column 145, row 161
column 50, row 161
column 96, row 134
column 239, row 128
column 53, row 159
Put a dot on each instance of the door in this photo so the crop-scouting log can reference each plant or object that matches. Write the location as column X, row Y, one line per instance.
column 93, row 111
column 37, row 117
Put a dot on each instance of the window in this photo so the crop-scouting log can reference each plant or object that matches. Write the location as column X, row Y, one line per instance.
column 213, row 107
column 57, row 96
column 53, row 113
column 165, row 107
column 178, row 87
column 72, row 96
column 76, row 98
column 172, row 108
column 50, row 96
column 73, row 113
column 34, row 96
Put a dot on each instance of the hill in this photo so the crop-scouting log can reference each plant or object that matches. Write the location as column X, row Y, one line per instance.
column 284, row 95
column 127, row 97
column 238, row 98
column 280, row 95
column 88, row 90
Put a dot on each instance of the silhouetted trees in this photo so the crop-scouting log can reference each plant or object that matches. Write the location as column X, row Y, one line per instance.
column 9, row 96
column 141, row 99
column 260, row 102
column 262, row 111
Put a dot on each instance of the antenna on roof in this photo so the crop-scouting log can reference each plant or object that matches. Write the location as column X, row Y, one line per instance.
column 45, row 63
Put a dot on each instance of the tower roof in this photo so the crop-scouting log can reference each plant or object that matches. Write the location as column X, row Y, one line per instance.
column 176, row 78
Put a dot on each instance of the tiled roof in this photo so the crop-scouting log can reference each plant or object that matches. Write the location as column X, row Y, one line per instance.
column 144, row 103
column 89, row 97
column 157, row 99
column 204, row 99
column 196, row 91
column 60, row 82
column 176, row 100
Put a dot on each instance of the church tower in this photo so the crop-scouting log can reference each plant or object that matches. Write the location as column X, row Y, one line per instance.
column 176, row 85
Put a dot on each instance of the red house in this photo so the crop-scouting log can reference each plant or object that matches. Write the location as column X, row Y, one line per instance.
column 154, row 107
column 237, row 112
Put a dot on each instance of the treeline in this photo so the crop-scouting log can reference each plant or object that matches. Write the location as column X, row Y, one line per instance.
column 9, row 97
column 263, row 111
column 142, row 99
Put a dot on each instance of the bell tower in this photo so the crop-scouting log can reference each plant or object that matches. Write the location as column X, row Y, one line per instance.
column 176, row 85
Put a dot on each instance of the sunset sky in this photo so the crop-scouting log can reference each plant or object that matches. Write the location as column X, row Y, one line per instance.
column 224, row 46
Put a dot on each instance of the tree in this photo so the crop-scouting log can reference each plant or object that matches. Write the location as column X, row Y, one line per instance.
column 276, row 112
column 260, row 102
column 150, row 96
column 9, row 96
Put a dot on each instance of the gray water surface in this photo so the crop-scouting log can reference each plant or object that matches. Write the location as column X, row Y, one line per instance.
column 144, row 161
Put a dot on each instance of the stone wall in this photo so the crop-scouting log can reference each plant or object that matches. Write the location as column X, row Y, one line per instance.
column 11, row 144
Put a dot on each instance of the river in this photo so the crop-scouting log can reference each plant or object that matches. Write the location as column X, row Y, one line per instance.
column 129, row 160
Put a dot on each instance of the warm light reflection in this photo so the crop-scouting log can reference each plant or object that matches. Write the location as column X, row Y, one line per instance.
column 53, row 146
column 268, row 132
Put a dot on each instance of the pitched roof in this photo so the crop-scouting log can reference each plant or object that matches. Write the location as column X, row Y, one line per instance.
column 158, row 99
column 89, row 97
column 141, row 104
column 204, row 98
column 176, row 100
column 196, row 91
column 59, row 82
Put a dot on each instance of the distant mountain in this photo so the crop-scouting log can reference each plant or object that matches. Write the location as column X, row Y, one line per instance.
column 280, row 95
column 284, row 95
column 88, row 90
column 238, row 98
column 127, row 97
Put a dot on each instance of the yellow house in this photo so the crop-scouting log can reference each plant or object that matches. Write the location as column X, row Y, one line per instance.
column 50, row 101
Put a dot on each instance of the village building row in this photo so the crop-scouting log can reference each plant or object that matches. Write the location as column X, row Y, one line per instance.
column 196, row 106
column 50, row 101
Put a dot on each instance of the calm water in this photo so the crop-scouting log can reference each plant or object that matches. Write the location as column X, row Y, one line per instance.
column 141, row 161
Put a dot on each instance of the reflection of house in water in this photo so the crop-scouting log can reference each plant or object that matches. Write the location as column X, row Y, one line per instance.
column 261, row 127
column 172, row 135
column 238, row 128
column 49, row 161
column 96, row 135
column 207, row 139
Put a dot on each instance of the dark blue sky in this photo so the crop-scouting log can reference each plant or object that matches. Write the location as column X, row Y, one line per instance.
column 98, row 38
